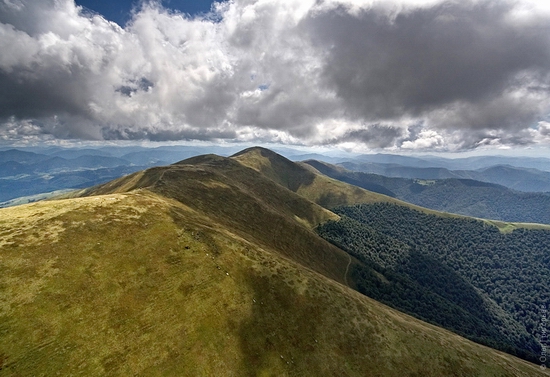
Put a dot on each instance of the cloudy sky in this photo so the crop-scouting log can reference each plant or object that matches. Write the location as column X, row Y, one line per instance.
column 358, row 74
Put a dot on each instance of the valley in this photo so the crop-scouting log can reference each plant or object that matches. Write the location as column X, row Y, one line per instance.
column 460, row 196
column 211, row 266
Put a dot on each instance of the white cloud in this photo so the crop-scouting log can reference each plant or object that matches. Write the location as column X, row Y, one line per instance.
column 289, row 71
column 427, row 139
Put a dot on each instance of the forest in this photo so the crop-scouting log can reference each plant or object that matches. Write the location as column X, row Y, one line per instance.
column 462, row 274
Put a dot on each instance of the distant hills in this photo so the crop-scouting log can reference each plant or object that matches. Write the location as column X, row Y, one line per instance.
column 212, row 266
column 517, row 178
column 37, row 170
column 468, row 163
column 463, row 196
column 41, row 170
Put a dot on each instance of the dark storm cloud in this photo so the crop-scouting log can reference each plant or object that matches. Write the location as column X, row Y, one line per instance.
column 428, row 58
column 23, row 94
column 374, row 136
column 167, row 134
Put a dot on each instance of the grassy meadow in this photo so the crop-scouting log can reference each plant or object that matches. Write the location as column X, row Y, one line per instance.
column 202, row 274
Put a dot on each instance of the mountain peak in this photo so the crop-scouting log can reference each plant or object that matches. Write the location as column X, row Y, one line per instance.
column 256, row 149
column 208, row 266
column 202, row 159
column 276, row 167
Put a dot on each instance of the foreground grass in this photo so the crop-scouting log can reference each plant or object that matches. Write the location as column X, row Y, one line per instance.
column 138, row 284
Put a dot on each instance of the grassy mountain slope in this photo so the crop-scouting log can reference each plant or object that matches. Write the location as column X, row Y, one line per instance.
column 246, row 202
column 297, row 178
column 310, row 184
column 138, row 283
column 315, row 185
column 471, row 313
column 461, row 196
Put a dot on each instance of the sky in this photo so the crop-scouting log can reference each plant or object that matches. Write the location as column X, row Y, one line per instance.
column 398, row 76
column 120, row 11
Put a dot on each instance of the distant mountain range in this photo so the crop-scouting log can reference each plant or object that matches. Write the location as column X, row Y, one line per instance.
column 36, row 170
column 517, row 178
column 468, row 163
column 518, row 173
column 41, row 170
column 222, row 266
column 463, row 196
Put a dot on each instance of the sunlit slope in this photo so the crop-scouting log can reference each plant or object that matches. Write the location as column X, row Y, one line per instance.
column 313, row 185
column 464, row 196
column 318, row 188
column 140, row 284
column 247, row 203
column 309, row 183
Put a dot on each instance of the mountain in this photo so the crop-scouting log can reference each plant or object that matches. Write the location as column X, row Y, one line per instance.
column 394, row 159
column 461, row 196
column 401, row 171
column 78, row 152
column 24, row 173
column 487, row 285
column 21, row 156
column 329, row 193
column 315, row 156
column 522, row 179
column 12, row 187
column 308, row 183
column 480, row 162
column 171, row 154
column 517, row 178
column 486, row 324
column 467, row 163
column 206, row 267
column 55, row 165
column 40, row 170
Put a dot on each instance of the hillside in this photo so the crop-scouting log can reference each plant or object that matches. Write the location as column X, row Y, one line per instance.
column 495, row 282
column 38, row 171
column 522, row 178
column 461, row 196
column 205, row 267
column 307, row 182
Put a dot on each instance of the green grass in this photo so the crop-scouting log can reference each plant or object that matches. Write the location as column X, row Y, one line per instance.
column 203, row 268
column 136, row 284
column 330, row 193
column 507, row 227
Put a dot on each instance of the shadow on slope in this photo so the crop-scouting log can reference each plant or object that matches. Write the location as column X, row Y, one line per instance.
column 466, row 197
column 246, row 202
column 306, row 181
column 255, row 207
column 437, row 269
column 138, row 284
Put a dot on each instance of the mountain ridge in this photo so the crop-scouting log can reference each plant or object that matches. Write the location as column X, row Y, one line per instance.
column 521, row 178
column 455, row 195
column 204, row 267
